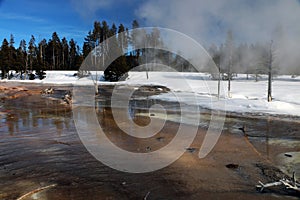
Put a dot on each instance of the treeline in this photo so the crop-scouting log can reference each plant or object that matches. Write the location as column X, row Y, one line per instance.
column 54, row 54
column 33, row 58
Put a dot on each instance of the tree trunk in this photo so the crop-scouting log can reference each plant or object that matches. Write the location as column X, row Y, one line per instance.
column 229, row 87
column 219, row 82
column 269, row 97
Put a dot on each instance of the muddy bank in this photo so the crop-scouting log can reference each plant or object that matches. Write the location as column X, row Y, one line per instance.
column 11, row 92
column 40, row 147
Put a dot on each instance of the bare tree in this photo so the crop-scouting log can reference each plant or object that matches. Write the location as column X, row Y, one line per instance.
column 270, row 66
column 228, row 58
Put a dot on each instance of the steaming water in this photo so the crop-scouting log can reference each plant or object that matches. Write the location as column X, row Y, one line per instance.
column 40, row 146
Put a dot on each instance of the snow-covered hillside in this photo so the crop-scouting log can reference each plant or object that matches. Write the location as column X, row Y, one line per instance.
column 248, row 96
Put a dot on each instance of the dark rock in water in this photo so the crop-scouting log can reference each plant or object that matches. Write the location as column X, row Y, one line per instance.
column 232, row 166
column 160, row 139
column 148, row 149
column 190, row 149
column 288, row 155
column 152, row 114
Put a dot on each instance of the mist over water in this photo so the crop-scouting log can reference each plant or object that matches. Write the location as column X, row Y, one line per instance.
column 252, row 22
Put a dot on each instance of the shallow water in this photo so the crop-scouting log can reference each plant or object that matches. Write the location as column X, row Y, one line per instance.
column 40, row 147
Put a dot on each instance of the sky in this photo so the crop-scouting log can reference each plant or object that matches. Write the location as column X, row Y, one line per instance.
column 69, row 18
column 206, row 21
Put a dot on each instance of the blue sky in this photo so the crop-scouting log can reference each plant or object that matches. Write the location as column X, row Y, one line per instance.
column 69, row 18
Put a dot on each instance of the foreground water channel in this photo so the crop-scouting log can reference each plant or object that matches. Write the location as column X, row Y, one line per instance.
column 40, row 148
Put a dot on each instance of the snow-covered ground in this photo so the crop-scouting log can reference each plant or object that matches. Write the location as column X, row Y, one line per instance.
column 247, row 96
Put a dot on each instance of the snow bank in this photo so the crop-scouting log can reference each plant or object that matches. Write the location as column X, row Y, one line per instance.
column 248, row 96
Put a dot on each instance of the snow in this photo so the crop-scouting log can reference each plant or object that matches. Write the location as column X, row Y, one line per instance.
column 247, row 96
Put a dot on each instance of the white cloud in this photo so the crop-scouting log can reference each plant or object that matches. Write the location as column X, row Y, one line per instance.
column 14, row 16
column 88, row 8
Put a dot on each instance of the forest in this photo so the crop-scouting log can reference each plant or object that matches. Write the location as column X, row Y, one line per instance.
column 31, row 60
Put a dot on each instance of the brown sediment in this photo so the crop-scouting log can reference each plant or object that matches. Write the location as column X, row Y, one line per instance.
column 51, row 153
column 9, row 91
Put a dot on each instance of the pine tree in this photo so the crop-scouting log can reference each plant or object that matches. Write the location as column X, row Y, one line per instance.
column 4, row 61
column 12, row 54
column 88, row 44
column 136, row 37
column 72, row 54
column 96, row 35
column 41, row 66
column 118, row 68
column 56, row 51
column 122, row 38
column 64, row 53
column 22, row 58
column 32, row 57
column 42, row 53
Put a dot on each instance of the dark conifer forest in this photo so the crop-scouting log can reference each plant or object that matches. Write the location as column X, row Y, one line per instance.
column 31, row 58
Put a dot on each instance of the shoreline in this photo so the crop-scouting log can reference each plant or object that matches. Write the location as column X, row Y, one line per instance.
column 40, row 86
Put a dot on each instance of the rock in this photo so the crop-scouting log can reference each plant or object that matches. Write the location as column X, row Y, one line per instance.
column 190, row 149
column 148, row 149
column 232, row 166
column 288, row 155
column 49, row 90
column 160, row 139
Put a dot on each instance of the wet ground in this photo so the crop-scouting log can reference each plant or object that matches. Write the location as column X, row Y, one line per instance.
column 42, row 156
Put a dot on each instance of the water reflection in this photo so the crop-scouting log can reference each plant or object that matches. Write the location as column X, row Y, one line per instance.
column 53, row 152
column 25, row 118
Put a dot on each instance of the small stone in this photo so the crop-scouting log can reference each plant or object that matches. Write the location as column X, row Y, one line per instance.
column 190, row 149
column 148, row 148
column 232, row 166
column 288, row 155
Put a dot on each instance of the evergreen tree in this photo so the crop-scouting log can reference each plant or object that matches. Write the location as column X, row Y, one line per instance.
column 72, row 55
column 118, row 68
column 122, row 38
column 42, row 54
column 41, row 67
column 32, row 56
column 96, row 35
column 4, row 61
column 12, row 54
column 136, row 37
column 88, row 44
column 65, row 52
column 56, row 51
column 113, row 30
column 22, row 58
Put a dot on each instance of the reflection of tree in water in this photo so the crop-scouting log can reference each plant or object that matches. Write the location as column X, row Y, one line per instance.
column 32, row 118
column 58, row 123
column 132, row 109
column 35, row 121
column 25, row 118
column 67, row 122
column 12, row 123
column 139, row 106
